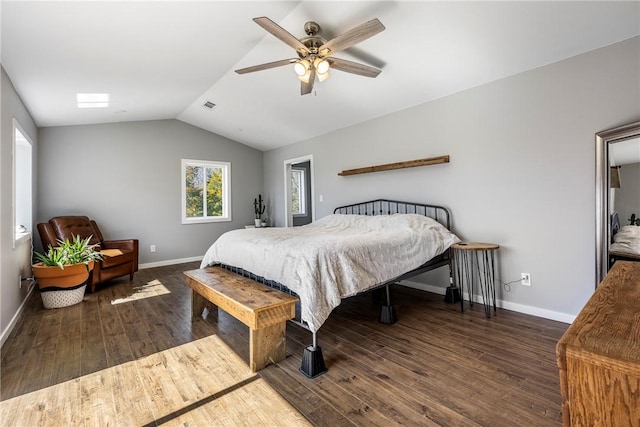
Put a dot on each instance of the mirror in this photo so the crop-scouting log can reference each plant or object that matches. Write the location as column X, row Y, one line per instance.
column 617, row 153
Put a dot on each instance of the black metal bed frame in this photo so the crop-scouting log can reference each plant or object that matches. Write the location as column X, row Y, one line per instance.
column 390, row 207
column 312, row 360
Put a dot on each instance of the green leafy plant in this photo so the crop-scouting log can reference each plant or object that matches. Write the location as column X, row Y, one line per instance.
column 68, row 252
column 634, row 220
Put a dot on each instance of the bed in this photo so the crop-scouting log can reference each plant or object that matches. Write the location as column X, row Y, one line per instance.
column 626, row 244
column 359, row 247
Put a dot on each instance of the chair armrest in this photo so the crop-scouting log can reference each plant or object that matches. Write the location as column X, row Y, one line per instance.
column 124, row 245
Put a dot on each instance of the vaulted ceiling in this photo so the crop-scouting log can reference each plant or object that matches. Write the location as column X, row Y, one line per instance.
column 164, row 59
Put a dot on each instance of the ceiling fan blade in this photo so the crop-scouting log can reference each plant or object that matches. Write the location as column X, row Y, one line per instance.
column 266, row 66
column 353, row 67
column 281, row 34
column 306, row 88
column 353, row 36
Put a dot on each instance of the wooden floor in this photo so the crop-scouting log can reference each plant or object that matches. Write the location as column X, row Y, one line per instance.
column 131, row 355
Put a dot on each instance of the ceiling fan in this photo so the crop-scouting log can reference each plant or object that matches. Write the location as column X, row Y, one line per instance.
column 314, row 52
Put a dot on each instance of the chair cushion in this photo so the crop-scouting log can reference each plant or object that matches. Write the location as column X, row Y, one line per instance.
column 66, row 227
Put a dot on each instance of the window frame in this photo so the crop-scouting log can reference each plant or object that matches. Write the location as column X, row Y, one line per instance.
column 16, row 128
column 302, row 193
column 226, row 191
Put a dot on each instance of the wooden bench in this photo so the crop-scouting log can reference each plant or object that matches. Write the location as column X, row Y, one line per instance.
column 263, row 309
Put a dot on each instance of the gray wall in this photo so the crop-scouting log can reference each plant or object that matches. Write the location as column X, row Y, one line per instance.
column 11, row 295
column 627, row 198
column 522, row 171
column 126, row 176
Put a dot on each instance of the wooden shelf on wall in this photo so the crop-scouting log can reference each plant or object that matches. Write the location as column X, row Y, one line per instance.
column 398, row 165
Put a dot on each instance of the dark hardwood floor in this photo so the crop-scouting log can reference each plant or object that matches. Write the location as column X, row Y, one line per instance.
column 436, row 366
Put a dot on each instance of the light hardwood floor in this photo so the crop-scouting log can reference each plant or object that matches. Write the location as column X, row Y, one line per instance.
column 143, row 361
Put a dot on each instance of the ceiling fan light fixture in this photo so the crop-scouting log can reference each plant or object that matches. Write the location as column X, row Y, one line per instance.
column 322, row 65
column 301, row 67
column 323, row 76
column 314, row 52
column 305, row 77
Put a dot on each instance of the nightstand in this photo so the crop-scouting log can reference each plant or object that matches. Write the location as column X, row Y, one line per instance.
column 473, row 260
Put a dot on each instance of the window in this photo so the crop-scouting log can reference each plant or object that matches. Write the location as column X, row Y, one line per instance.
column 298, row 196
column 22, row 188
column 206, row 191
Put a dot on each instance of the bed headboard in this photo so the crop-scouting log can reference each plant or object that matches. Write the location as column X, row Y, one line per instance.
column 389, row 207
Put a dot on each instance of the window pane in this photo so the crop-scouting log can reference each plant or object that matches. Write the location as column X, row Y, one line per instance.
column 194, row 190
column 206, row 191
column 23, row 173
column 214, row 192
column 297, row 191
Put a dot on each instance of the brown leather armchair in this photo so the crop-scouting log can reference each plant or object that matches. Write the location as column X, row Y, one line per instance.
column 65, row 227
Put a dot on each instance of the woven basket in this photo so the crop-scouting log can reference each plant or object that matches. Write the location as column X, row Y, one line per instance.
column 63, row 298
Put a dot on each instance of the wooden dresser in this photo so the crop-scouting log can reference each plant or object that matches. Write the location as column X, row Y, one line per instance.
column 599, row 355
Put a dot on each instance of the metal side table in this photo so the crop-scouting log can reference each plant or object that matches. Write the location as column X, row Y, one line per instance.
column 470, row 258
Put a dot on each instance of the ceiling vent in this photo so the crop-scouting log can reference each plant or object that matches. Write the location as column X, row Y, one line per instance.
column 210, row 105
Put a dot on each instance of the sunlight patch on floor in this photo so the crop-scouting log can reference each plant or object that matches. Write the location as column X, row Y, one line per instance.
column 153, row 288
column 199, row 383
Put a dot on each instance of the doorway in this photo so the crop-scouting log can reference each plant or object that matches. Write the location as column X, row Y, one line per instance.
column 298, row 188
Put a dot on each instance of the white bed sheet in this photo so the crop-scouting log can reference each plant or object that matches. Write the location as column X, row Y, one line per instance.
column 627, row 240
column 335, row 257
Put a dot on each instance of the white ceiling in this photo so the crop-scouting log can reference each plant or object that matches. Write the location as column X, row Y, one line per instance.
column 164, row 59
column 624, row 152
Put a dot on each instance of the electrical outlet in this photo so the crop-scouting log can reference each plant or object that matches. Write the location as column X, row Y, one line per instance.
column 152, row 248
column 526, row 279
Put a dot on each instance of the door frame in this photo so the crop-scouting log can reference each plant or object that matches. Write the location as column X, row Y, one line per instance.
column 288, row 215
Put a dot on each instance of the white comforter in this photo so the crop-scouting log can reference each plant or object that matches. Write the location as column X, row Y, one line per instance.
column 627, row 240
column 335, row 257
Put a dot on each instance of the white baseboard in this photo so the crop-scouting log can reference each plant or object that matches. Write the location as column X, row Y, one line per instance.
column 14, row 319
column 507, row 305
column 168, row 262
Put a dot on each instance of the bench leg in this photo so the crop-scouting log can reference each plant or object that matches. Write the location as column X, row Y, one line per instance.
column 267, row 345
column 197, row 304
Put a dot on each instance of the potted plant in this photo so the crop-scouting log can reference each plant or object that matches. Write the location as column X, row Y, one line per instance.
column 258, row 208
column 63, row 271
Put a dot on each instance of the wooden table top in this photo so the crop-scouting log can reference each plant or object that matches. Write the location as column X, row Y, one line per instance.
column 244, row 291
column 609, row 325
column 474, row 246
